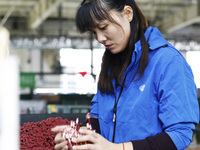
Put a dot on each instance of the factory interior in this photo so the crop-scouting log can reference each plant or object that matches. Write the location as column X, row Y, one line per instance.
column 54, row 70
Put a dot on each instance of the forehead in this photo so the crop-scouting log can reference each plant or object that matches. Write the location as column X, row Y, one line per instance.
column 114, row 17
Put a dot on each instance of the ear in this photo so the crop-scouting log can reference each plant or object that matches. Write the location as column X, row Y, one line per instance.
column 128, row 13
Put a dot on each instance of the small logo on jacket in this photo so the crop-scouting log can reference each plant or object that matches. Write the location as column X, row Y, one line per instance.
column 142, row 87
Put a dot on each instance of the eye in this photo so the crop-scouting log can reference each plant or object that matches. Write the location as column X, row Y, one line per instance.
column 103, row 27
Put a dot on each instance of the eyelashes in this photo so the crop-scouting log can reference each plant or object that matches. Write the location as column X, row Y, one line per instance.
column 103, row 28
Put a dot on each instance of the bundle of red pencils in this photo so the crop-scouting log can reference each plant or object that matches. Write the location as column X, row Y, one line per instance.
column 72, row 131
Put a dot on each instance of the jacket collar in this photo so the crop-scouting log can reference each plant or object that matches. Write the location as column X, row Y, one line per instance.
column 154, row 39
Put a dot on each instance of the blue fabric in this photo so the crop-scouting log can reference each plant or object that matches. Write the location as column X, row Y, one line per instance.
column 163, row 100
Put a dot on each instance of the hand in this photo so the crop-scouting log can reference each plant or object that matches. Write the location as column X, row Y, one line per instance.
column 96, row 141
column 61, row 143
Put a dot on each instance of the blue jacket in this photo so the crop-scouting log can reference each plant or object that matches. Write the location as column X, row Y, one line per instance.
column 163, row 100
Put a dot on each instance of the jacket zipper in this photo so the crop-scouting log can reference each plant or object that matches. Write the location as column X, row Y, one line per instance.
column 116, row 102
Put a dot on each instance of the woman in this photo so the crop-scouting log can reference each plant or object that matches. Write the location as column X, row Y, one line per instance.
column 146, row 96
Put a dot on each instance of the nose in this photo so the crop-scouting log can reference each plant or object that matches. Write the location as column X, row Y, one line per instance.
column 101, row 38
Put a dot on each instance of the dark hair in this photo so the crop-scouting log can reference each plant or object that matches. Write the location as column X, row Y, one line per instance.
column 114, row 65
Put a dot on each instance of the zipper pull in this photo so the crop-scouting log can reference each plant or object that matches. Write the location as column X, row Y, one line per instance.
column 114, row 117
column 114, row 114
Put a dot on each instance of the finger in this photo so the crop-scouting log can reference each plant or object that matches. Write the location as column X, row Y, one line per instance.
column 84, row 138
column 65, row 148
column 59, row 138
column 84, row 147
column 62, row 145
column 88, row 132
column 59, row 128
column 83, row 127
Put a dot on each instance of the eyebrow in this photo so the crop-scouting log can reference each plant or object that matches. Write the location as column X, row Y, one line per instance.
column 96, row 25
column 99, row 24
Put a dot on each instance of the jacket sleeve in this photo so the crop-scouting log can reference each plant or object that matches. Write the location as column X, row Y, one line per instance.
column 178, row 104
column 94, row 109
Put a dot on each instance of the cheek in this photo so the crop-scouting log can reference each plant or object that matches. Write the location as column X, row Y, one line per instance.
column 127, row 32
column 119, row 35
column 123, row 35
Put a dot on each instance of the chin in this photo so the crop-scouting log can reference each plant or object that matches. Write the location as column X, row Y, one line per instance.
column 115, row 51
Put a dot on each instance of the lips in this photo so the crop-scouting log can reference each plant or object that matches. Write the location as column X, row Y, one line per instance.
column 108, row 46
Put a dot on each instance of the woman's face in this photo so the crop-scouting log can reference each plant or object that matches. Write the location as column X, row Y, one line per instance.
column 114, row 36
